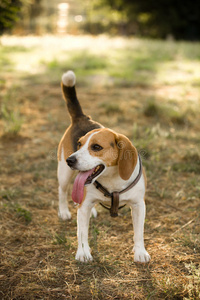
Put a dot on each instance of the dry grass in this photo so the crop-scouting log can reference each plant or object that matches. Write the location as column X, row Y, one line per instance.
column 159, row 112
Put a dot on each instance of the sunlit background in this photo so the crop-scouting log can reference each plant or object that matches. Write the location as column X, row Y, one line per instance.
column 163, row 19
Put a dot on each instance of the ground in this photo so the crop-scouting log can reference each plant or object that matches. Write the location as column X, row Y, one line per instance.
column 147, row 90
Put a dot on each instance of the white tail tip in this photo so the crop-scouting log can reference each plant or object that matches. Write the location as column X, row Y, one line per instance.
column 69, row 78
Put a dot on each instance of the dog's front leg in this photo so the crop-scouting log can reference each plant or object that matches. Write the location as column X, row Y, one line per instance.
column 83, row 218
column 138, row 215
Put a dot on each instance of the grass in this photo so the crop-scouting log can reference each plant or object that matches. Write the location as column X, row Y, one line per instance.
column 147, row 90
column 10, row 114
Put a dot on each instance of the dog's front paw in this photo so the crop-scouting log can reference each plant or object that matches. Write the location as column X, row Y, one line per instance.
column 141, row 255
column 64, row 214
column 84, row 255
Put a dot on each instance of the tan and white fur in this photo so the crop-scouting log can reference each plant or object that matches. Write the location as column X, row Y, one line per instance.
column 87, row 145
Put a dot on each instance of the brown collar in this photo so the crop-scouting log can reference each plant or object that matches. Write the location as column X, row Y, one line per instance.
column 115, row 195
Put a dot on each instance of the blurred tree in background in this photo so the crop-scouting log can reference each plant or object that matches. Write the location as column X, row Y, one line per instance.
column 179, row 19
column 15, row 12
column 158, row 19
column 9, row 10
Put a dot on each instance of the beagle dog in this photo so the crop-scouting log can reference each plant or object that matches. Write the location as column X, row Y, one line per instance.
column 110, row 172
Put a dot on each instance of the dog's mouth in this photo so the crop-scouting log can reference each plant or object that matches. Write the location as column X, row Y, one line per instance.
column 95, row 172
column 82, row 179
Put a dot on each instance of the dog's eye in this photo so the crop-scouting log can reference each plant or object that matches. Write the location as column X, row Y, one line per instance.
column 79, row 145
column 96, row 147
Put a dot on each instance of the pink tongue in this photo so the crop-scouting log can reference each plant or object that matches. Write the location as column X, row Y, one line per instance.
column 78, row 187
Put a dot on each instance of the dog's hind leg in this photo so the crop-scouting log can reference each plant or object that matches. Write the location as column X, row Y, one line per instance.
column 64, row 176
column 93, row 212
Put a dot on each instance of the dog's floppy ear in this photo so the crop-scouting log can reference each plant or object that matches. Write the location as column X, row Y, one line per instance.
column 127, row 158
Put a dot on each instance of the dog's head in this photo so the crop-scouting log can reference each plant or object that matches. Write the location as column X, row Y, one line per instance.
column 98, row 151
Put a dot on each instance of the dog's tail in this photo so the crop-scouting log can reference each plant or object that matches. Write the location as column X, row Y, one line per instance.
column 69, row 93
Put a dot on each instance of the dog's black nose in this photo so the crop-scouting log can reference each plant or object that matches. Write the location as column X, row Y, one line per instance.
column 71, row 161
